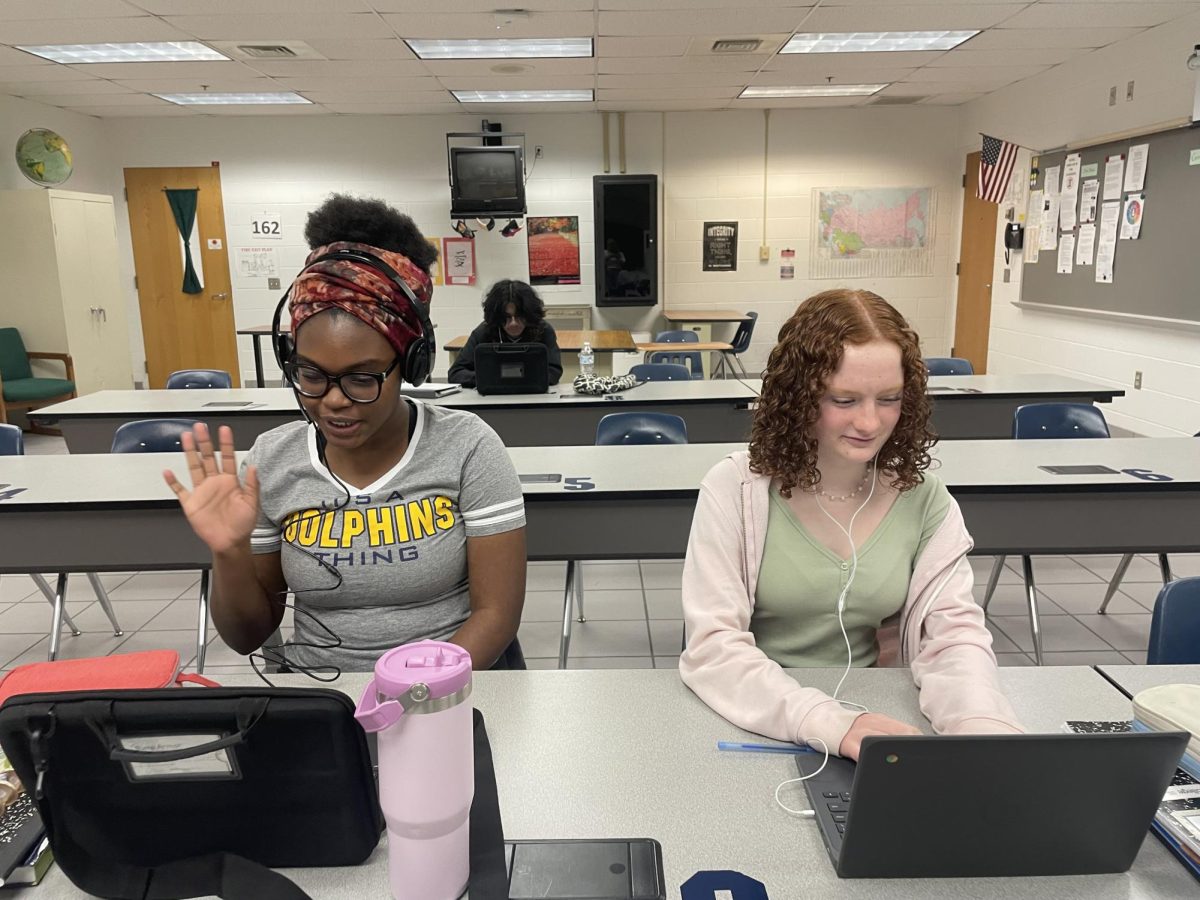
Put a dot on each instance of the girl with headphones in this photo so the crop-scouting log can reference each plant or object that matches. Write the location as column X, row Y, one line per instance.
column 381, row 514
column 829, row 543
column 513, row 313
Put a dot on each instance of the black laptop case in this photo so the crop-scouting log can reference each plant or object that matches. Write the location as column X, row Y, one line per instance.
column 512, row 369
column 273, row 777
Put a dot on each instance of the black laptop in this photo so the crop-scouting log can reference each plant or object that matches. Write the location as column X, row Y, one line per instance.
column 991, row 805
column 511, row 369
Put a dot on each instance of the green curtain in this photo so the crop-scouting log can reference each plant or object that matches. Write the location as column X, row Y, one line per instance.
column 183, row 205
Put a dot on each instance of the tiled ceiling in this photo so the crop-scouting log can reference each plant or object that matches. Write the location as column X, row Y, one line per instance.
column 650, row 54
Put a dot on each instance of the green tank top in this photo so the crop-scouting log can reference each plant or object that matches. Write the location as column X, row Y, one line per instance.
column 795, row 619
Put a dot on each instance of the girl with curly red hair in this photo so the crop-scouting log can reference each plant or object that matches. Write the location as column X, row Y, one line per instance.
column 829, row 543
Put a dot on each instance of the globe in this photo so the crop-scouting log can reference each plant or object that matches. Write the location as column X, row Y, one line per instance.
column 44, row 157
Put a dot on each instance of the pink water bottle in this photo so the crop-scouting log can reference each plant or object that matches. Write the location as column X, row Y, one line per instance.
column 420, row 704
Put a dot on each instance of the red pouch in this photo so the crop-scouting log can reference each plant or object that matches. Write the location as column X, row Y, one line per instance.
column 144, row 669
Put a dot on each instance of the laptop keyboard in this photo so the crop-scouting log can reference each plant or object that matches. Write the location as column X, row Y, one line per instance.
column 838, row 805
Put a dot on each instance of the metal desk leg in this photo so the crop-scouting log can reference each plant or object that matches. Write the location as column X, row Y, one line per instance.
column 564, row 644
column 579, row 592
column 102, row 596
column 1164, row 565
column 49, row 595
column 258, row 367
column 60, row 604
column 202, row 625
column 993, row 580
column 1115, row 582
column 1035, row 624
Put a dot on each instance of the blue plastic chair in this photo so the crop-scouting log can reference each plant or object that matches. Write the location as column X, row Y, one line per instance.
column 677, row 337
column 1175, row 626
column 151, row 436
column 615, row 429
column 1164, row 566
column 12, row 443
column 199, row 378
column 1042, row 421
column 740, row 343
column 949, row 365
column 660, row 372
column 163, row 436
column 685, row 359
column 641, row 428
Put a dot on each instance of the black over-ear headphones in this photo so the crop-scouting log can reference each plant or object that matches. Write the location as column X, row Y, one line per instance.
column 418, row 358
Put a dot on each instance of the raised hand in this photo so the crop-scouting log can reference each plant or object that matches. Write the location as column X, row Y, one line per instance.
column 219, row 507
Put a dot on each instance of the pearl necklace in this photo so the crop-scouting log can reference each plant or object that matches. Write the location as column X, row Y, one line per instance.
column 858, row 490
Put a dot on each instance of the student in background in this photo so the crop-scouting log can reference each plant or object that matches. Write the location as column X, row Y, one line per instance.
column 389, row 519
column 512, row 313
column 772, row 581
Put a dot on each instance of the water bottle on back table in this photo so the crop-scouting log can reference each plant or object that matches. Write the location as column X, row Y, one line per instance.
column 587, row 360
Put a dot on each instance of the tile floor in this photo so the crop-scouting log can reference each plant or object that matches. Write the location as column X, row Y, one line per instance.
column 633, row 611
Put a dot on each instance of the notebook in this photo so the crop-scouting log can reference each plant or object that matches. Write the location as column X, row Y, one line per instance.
column 991, row 805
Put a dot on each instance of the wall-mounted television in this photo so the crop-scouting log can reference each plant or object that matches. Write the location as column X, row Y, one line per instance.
column 487, row 181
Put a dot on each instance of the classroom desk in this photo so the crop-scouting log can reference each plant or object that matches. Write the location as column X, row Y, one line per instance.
column 714, row 411
column 632, row 753
column 1131, row 679
column 701, row 321
column 110, row 512
column 964, row 407
column 604, row 344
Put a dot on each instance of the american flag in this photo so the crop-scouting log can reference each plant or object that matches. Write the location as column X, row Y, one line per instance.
column 995, row 168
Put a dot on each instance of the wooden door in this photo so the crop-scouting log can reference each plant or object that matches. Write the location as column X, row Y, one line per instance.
column 181, row 331
column 976, row 260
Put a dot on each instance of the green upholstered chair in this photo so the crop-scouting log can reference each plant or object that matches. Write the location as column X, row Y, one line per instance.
column 19, row 389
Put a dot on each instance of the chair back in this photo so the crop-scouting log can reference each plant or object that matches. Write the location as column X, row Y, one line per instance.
column 199, row 378
column 677, row 337
column 745, row 330
column 949, row 365
column 641, row 428
column 151, row 436
column 12, row 442
column 690, row 361
column 14, row 360
column 1059, row 420
column 1175, row 625
column 660, row 372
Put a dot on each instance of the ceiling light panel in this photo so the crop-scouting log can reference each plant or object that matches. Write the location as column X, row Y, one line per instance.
column 214, row 98
column 171, row 51
column 810, row 90
column 876, row 42
column 576, row 96
column 526, row 48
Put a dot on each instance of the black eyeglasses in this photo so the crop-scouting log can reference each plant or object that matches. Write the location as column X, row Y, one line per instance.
column 359, row 387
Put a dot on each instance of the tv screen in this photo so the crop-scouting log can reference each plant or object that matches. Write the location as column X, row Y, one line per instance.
column 487, row 181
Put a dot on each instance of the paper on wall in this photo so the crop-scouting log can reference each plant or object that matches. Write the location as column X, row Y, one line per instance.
column 1087, row 205
column 1135, row 174
column 1114, row 170
column 1131, row 219
column 1085, row 248
column 1050, row 206
column 1066, row 254
column 1033, row 227
column 1106, row 247
column 1069, row 195
column 1053, row 182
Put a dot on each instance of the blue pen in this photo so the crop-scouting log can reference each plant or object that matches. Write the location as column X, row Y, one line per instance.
column 763, row 748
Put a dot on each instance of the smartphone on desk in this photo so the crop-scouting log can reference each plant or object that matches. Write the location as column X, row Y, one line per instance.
column 616, row 869
column 1079, row 470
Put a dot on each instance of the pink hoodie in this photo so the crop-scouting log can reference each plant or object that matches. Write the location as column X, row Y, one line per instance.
column 940, row 632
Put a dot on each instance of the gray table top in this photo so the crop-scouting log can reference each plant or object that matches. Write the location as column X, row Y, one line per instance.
column 1132, row 679
column 645, row 471
column 594, row 754
column 281, row 400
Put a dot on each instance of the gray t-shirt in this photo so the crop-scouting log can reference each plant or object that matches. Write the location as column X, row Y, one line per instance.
column 399, row 545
